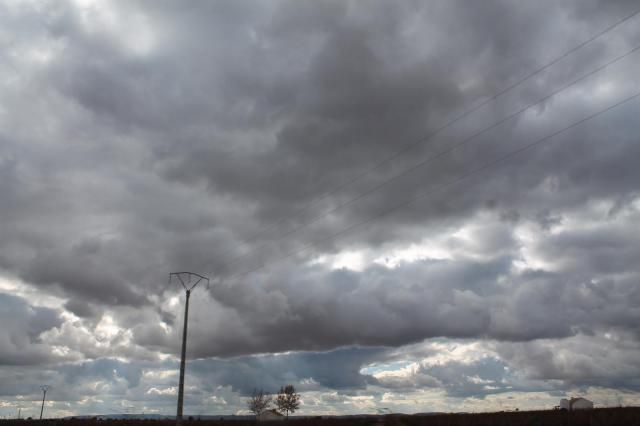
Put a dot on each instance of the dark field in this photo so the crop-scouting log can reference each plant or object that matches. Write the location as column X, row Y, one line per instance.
column 601, row 416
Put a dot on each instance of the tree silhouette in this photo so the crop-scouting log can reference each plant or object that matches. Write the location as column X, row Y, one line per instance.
column 258, row 402
column 288, row 401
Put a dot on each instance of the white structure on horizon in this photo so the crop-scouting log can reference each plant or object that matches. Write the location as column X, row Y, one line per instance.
column 575, row 404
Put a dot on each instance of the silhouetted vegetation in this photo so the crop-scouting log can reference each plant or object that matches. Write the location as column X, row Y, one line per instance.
column 259, row 402
column 287, row 400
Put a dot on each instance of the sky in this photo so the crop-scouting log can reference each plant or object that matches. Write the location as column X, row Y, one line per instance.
column 393, row 212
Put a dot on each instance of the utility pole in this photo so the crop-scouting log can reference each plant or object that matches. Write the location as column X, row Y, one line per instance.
column 182, row 277
column 44, row 388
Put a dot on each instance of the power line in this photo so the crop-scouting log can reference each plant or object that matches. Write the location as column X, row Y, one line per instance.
column 439, row 130
column 441, row 154
column 462, row 178
column 470, row 111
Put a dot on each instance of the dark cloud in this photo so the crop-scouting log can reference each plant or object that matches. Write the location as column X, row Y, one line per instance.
column 22, row 327
column 339, row 369
column 350, row 90
column 601, row 359
column 108, row 369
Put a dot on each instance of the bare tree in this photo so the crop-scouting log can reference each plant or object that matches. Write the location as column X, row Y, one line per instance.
column 258, row 402
column 288, row 401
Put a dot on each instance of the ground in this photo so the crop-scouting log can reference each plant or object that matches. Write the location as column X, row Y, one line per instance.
column 596, row 417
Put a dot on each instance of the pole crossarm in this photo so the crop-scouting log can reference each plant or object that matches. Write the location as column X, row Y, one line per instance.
column 181, row 276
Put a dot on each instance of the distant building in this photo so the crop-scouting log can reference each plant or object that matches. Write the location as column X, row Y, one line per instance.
column 269, row 415
column 575, row 404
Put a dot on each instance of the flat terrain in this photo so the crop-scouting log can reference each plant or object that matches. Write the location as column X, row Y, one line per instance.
column 602, row 416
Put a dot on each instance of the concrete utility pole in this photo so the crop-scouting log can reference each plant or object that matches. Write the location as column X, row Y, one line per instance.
column 182, row 277
column 44, row 388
